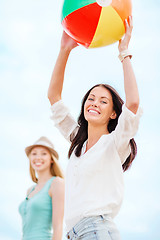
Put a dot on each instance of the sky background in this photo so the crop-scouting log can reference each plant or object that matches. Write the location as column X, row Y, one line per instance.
column 30, row 33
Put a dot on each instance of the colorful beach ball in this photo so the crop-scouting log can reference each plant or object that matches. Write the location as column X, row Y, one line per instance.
column 95, row 23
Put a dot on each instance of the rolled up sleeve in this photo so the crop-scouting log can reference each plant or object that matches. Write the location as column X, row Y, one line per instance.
column 126, row 129
column 63, row 120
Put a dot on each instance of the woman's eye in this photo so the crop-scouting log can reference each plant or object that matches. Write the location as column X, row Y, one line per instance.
column 33, row 153
column 44, row 153
column 104, row 102
column 91, row 99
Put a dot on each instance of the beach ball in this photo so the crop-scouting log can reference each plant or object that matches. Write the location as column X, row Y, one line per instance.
column 95, row 23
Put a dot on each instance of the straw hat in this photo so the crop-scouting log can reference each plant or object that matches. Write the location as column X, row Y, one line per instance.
column 45, row 142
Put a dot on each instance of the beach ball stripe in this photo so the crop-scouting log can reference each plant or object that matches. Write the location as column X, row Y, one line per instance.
column 70, row 6
column 123, row 8
column 92, row 25
column 114, row 28
column 77, row 26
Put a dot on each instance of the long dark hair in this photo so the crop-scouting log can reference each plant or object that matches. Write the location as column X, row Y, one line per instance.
column 82, row 134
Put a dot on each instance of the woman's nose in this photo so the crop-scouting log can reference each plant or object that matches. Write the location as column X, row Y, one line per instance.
column 95, row 104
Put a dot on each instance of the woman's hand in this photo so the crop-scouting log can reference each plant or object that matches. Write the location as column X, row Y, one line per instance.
column 123, row 43
column 67, row 42
column 57, row 79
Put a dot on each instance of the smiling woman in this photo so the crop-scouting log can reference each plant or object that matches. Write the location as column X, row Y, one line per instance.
column 102, row 146
column 42, row 209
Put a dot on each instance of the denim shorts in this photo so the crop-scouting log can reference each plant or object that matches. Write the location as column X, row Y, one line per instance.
column 94, row 228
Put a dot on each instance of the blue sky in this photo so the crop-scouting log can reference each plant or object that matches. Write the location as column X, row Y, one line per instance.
column 30, row 33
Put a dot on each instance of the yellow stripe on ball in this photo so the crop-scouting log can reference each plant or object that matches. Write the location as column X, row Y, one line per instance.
column 110, row 28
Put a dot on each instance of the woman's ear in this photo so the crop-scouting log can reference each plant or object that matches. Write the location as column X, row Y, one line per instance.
column 52, row 161
column 113, row 115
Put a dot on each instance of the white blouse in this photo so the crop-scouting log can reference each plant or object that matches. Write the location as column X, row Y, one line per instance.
column 94, row 181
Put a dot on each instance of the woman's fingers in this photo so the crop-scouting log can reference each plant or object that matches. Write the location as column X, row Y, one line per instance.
column 123, row 43
column 129, row 25
column 67, row 41
column 130, row 21
column 126, row 24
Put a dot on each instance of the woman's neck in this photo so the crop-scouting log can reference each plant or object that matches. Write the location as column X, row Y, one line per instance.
column 43, row 177
column 94, row 134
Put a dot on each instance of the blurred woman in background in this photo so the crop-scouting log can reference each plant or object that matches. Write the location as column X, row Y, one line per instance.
column 43, row 208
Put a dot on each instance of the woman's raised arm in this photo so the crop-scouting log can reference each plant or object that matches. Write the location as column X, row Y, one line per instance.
column 56, row 83
column 130, row 84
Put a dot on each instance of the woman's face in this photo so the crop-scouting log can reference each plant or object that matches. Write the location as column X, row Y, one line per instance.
column 98, row 108
column 40, row 158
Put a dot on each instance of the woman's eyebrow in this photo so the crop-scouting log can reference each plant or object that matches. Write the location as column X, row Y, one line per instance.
column 91, row 94
column 106, row 97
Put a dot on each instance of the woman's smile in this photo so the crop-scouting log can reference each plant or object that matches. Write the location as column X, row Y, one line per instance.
column 93, row 111
column 38, row 164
